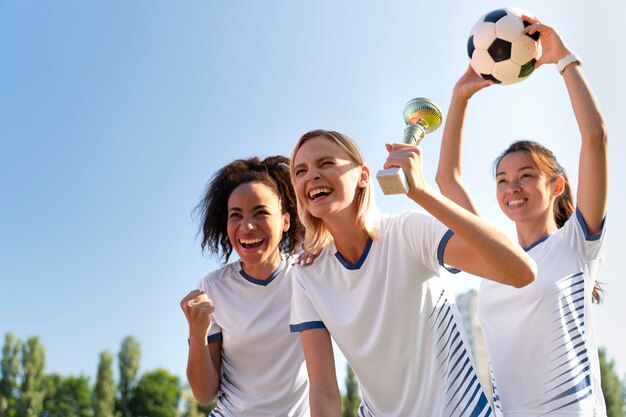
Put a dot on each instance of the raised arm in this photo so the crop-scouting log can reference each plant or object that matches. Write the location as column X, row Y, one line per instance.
column 324, row 396
column 593, row 165
column 477, row 247
column 450, row 171
column 204, row 359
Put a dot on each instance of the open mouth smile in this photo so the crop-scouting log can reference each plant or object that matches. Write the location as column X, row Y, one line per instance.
column 250, row 242
column 516, row 203
column 319, row 192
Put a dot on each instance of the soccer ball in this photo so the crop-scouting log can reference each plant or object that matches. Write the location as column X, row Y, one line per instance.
column 497, row 49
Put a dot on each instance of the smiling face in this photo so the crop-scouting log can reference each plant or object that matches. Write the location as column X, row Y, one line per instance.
column 256, row 223
column 326, row 179
column 524, row 192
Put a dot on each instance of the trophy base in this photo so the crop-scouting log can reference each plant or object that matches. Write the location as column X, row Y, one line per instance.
column 392, row 181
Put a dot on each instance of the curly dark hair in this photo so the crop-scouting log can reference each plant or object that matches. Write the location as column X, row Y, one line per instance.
column 213, row 208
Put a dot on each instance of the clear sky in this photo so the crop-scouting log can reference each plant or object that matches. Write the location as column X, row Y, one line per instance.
column 114, row 115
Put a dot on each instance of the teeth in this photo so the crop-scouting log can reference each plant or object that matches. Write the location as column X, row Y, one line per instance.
column 250, row 241
column 322, row 190
column 515, row 203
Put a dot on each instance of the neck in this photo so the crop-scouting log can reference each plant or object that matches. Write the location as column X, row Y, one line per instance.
column 350, row 241
column 529, row 232
column 262, row 270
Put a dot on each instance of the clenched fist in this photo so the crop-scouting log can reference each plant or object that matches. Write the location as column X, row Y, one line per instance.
column 199, row 311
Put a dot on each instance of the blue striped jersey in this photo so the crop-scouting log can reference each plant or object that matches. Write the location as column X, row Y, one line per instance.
column 540, row 338
column 392, row 318
column 263, row 369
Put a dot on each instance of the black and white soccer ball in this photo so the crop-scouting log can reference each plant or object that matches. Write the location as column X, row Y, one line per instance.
column 499, row 51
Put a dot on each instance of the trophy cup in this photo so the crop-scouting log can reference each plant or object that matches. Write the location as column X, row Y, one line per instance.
column 421, row 116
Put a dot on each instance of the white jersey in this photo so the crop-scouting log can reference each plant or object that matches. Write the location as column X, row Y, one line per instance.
column 263, row 369
column 540, row 338
column 392, row 317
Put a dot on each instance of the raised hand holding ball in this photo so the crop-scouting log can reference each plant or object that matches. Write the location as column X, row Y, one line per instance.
column 499, row 50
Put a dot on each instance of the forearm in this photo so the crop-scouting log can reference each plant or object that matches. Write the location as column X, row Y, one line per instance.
column 324, row 404
column 586, row 108
column 507, row 260
column 449, row 176
column 203, row 377
column 593, row 165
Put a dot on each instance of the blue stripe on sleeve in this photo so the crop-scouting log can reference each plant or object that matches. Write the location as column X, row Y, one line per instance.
column 441, row 248
column 214, row 337
column 294, row 328
column 583, row 225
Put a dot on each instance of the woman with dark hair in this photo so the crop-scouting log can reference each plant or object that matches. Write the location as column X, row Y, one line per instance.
column 240, row 347
column 540, row 338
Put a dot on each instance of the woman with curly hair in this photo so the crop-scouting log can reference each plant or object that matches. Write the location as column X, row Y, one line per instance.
column 240, row 347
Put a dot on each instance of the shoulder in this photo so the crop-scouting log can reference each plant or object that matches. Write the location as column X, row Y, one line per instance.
column 576, row 227
column 406, row 219
column 311, row 270
column 218, row 276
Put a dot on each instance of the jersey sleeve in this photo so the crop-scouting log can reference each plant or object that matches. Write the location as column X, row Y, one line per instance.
column 215, row 332
column 427, row 237
column 576, row 233
column 304, row 316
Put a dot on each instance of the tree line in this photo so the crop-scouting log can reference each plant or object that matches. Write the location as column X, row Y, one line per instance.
column 27, row 391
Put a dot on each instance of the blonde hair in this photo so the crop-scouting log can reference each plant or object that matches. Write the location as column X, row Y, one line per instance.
column 317, row 235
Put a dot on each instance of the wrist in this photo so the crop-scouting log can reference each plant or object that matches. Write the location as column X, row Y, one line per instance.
column 567, row 61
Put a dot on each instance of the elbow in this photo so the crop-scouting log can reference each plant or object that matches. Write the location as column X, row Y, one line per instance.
column 204, row 390
column 445, row 181
column 598, row 135
column 205, row 397
column 526, row 276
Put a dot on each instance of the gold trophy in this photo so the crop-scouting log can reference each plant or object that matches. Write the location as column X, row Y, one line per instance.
column 421, row 116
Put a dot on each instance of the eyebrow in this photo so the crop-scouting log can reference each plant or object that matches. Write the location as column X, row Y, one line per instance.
column 321, row 158
column 257, row 207
column 519, row 169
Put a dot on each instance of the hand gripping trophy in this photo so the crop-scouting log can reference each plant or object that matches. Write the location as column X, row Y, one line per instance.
column 422, row 116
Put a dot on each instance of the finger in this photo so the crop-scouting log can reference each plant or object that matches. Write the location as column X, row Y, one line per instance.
column 530, row 19
column 535, row 27
column 191, row 295
column 399, row 146
column 388, row 147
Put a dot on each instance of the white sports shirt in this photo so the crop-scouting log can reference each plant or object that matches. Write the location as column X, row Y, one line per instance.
column 540, row 338
column 263, row 369
column 391, row 316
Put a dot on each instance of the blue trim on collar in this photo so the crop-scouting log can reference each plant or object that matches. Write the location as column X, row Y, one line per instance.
column 358, row 263
column 263, row 282
column 583, row 225
column 308, row 325
column 440, row 250
column 532, row 245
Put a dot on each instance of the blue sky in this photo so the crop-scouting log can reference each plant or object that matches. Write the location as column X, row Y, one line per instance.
column 114, row 115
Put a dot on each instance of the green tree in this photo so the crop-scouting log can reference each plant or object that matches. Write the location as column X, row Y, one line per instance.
column 104, row 390
column 9, row 369
column 33, row 363
column 612, row 388
column 66, row 396
column 351, row 400
column 128, row 362
column 156, row 394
